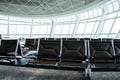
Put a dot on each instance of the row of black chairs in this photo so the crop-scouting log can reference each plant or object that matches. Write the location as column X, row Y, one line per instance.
column 64, row 54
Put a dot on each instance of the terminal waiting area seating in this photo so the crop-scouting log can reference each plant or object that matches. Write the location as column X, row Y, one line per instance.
column 64, row 54
column 8, row 49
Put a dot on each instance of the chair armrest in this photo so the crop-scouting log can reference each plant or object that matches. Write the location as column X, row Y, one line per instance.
column 18, row 57
column 11, row 53
column 31, row 54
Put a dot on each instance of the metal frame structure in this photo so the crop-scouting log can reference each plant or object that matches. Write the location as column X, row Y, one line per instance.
column 88, row 24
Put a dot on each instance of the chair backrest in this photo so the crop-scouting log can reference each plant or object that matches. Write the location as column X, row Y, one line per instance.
column 31, row 44
column 49, row 48
column 8, row 46
column 73, row 49
column 101, row 49
column 117, row 47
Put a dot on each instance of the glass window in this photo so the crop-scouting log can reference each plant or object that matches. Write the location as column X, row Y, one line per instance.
column 20, row 29
column 58, row 29
column 112, row 15
column 86, row 15
column 113, row 0
column 110, row 8
column 12, row 29
column 27, row 29
column 65, row 29
column 116, row 26
column 103, row 36
column 35, row 29
column 19, row 23
column 119, row 13
column 107, row 26
column 100, row 12
column 45, row 29
column 90, row 14
column 81, row 16
column 116, row 5
column 81, row 28
column 112, row 36
column 3, row 17
column 89, row 28
column 49, row 27
column 95, row 27
column 3, row 29
column 3, row 22
column 73, row 18
column 95, row 13
column 71, row 28
column 98, row 18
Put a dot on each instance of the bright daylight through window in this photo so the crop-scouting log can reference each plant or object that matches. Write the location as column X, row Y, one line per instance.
column 102, row 21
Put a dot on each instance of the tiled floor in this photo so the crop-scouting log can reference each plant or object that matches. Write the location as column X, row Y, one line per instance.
column 20, row 73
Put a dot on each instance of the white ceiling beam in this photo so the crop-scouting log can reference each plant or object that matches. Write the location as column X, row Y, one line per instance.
column 31, row 28
column 8, row 5
column 59, row 5
column 48, row 7
column 71, row 4
column 18, row 9
column 8, row 28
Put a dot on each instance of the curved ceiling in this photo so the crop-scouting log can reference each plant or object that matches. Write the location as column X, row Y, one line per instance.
column 43, row 7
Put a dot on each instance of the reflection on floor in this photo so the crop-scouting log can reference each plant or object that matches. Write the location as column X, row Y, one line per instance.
column 20, row 73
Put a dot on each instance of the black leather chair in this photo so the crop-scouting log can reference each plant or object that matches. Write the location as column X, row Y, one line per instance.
column 73, row 53
column 102, row 53
column 49, row 51
column 31, row 44
column 30, row 47
column 117, row 51
column 8, row 49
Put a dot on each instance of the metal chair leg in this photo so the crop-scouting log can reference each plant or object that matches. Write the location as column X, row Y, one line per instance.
column 88, row 73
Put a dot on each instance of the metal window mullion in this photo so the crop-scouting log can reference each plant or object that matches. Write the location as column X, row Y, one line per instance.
column 61, row 30
column 101, row 24
column 31, row 28
column 8, row 28
column 52, row 28
column 113, row 23
column 75, row 27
